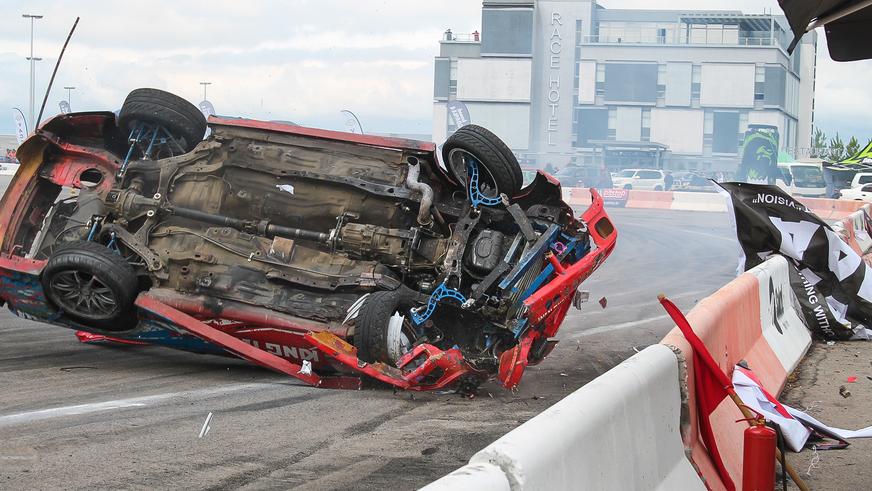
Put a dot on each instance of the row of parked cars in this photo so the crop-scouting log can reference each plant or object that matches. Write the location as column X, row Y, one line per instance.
column 795, row 178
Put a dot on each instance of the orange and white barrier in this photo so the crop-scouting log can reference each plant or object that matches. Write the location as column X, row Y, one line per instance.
column 650, row 199
column 855, row 229
column 826, row 209
column 752, row 318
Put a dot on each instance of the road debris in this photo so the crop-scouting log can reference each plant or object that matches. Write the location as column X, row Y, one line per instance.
column 206, row 426
column 844, row 392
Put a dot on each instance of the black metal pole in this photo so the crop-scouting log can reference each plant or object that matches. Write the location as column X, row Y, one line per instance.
column 53, row 73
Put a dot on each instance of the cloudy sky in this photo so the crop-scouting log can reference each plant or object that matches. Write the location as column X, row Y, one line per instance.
column 298, row 60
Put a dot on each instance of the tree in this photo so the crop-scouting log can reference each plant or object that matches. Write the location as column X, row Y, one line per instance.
column 818, row 144
column 852, row 147
column 837, row 149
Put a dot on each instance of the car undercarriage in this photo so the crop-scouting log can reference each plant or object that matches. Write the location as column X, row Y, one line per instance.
column 320, row 254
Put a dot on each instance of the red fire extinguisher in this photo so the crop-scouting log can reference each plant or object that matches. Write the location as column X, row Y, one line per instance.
column 758, row 465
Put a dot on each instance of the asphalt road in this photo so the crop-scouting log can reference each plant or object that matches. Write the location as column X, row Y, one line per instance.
column 76, row 416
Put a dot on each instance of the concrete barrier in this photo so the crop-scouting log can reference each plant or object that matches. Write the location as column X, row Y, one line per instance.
column 753, row 318
column 480, row 477
column 699, row 201
column 620, row 431
column 650, row 199
column 826, row 209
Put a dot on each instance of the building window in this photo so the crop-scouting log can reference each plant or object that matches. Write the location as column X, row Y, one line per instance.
column 578, row 37
column 593, row 124
column 759, row 83
column 600, row 79
column 725, row 126
column 452, row 87
column 645, row 133
column 695, row 83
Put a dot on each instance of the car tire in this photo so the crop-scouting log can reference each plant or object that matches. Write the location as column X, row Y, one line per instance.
column 658, row 188
column 628, row 186
column 492, row 154
column 91, row 273
column 181, row 118
column 374, row 337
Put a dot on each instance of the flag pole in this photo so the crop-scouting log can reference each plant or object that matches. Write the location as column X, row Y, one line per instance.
column 727, row 384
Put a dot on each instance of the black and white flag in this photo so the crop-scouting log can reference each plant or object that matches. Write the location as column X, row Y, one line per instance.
column 831, row 281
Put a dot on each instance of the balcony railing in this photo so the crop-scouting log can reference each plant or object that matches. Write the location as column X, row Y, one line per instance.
column 674, row 40
column 473, row 37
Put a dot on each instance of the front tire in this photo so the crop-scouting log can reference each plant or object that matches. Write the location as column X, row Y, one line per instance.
column 499, row 171
column 181, row 118
column 92, row 285
column 378, row 328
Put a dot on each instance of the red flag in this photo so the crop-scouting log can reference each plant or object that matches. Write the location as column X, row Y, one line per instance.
column 711, row 386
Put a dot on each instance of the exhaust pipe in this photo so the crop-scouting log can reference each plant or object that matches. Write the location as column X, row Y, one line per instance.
column 424, row 216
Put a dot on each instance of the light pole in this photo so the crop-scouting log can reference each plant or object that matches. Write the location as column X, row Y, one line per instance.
column 32, row 60
column 352, row 115
column 69, row 91
column 204, row 84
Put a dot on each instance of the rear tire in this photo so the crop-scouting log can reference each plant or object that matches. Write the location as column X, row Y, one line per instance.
column 181, row 118
column 498, row 166
column 628, row 187
column 92, row 285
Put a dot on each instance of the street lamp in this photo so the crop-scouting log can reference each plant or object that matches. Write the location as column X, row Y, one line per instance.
column 32, row 62
column 69, row 90
column 204, row 84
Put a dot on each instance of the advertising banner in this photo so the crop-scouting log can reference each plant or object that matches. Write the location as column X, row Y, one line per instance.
column 615, row 197
column 759, row 155
column 459, row 113
column 831, row 282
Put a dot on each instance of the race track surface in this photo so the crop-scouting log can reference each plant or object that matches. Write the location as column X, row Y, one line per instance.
column 76, row 416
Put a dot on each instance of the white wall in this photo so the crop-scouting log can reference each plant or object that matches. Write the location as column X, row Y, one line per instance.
column 586, row 82
column 678, row 80
column 440, row 122
column 806, row 94
column 510, row 122
column 494, row 79
column 727, row 85
column 681, row 129
column 629, row 124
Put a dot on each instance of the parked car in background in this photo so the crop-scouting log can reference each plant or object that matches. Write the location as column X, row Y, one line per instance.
column 860, row 193
column 695, row 182
column 800, row 179
column 647, row 179
column 861, row 178
column 584, row 177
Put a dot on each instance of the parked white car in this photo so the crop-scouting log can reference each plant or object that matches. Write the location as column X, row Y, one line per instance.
column 861, row 178
column 860, row 193
column 648, row 179
column 801, row 179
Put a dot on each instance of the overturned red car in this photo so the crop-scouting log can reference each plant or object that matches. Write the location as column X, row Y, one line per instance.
column 322, row 255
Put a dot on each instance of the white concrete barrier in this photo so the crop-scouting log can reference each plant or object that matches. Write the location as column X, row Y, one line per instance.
column 620, row 431
column 699, row 201
column 478, row 477
column 780, row 313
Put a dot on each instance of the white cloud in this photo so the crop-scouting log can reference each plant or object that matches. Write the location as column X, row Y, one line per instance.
column 300, row 60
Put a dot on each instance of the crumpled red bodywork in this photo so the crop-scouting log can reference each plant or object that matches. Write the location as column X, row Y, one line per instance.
column 314, row 353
